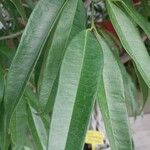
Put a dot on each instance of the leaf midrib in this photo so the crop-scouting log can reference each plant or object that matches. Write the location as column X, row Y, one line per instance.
column 105, row 94
column 81, row 70
column 98, row 38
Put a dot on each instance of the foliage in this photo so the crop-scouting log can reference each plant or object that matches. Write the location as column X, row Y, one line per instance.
column 58, row 57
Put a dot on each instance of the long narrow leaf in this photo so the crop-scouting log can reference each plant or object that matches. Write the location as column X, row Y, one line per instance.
column 129, row 87
column 77, row 88
column 20, row 8
column 18, row 125
column 34, row 102
column 31, row 4
column 131, row 40
column 137, row 17
column 143, row 87
column 71, row 22
column 37, row 129
column 33, row 39
column 112, row 102
column 4, row 137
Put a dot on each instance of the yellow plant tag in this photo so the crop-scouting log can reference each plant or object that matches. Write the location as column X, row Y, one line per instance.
column 94, row 138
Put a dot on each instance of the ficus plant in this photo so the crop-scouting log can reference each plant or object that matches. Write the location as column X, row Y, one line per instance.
column 59, row 57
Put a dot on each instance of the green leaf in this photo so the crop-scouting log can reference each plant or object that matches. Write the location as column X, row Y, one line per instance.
column 20, row 8
column 51, row 100
column 26, row 148
column 38, row 29
column 1, row 124
column 143, row 88
column 71, row 22
column 31, row 4
column 34, row 102
column 129, row 86
column 137, row 17
column 79, row 76
column 131, row 40
column 18, row 125
column 37, row 128
column 1, row 83
column 32, row 98
column 130, row 93
column 6, row 55
column 4, row 137
column 112, row 102
column 39, row 68
column 145, row 8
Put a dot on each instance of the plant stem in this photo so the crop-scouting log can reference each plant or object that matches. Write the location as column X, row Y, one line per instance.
column 11, row 36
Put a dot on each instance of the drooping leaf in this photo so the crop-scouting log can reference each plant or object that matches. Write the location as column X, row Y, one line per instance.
column 71, row 22
column 20, row 8
column 112, row 102
column 79, row 76
column 34, row 102
column 143, row 87
column 137, row 17
column 37, row 128
column 131, row 40
column 18, row 125
column 40, row 65
column 38, row 29
column 129, row 86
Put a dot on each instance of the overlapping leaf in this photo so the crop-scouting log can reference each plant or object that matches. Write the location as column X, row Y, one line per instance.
column 112, row 102
column 37, row 128
column 77, row 88
column 129, row 87
column 71, row 22
column 33, row 39
column 34, row 102
column 131, row 40
column 137, row 17
column 143, row 87
column 18, row 125
column 20, row 8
